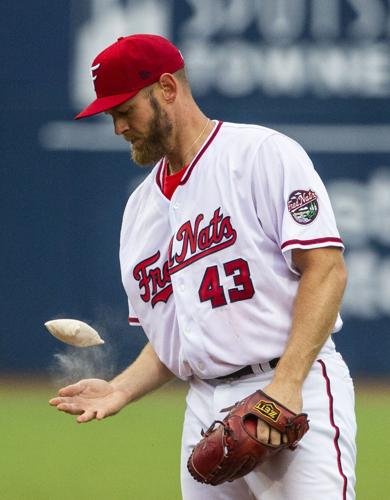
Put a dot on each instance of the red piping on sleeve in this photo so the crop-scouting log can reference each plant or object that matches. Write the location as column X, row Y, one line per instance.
column 327, row 239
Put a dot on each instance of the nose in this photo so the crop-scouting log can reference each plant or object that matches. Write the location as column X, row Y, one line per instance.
column 120, row 126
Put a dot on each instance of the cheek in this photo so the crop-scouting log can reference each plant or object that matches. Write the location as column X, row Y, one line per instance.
column 138, row 123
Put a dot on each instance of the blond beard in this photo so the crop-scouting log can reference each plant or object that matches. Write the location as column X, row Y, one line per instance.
column 157, row 143
column 146, row 154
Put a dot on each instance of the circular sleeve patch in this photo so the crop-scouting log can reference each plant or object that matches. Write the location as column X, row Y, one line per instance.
column 303, row 206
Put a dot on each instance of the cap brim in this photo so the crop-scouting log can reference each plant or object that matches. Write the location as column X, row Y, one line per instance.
column 102, row 104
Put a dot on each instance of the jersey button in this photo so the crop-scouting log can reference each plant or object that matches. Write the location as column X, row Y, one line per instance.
column 201, row 365
column 176, row 206
column 182, row 287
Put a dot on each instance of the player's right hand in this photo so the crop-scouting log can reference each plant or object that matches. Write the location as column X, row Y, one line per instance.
column 90, row 399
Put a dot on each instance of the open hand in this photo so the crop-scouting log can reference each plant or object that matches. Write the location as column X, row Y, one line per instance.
column 90, row 399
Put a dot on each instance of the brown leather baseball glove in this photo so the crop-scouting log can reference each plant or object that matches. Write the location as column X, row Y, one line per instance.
column 231, row 450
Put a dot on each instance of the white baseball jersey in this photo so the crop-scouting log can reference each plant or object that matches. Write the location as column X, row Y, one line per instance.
column 209, row 274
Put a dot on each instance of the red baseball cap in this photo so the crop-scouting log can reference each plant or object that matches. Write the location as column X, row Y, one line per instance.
column 127, row 66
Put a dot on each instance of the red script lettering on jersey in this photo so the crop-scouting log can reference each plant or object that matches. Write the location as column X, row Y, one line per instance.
column 197, row 243
column 194, row 243
column 154, row 282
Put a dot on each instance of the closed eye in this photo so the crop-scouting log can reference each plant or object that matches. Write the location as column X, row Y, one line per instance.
column 120, row 112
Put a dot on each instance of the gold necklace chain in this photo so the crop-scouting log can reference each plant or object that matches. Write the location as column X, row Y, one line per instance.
column 197, row 139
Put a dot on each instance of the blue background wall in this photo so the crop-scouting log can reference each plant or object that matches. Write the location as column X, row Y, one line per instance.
column 317, row 70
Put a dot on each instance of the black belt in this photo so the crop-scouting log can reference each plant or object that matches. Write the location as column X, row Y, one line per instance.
column 249, row 370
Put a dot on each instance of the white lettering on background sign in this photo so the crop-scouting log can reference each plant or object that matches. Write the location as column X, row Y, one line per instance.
column 303, row 48
column 296, row 48
column 362, row 210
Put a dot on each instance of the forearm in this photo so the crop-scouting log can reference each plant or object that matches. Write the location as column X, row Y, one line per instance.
column 315, row 310
column 143, row 376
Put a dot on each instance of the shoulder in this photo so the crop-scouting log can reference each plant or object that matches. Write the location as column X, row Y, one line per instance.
column 256, row 137
column 260, row 148
column 249, row 133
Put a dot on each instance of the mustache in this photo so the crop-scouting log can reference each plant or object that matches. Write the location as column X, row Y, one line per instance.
column 131, row 139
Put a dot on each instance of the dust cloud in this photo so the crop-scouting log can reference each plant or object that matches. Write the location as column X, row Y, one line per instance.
column 122, row 345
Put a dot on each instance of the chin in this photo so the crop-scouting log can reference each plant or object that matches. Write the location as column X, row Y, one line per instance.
column 141, row 160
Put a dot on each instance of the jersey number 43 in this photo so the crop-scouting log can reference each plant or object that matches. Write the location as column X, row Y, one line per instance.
column 211, row 288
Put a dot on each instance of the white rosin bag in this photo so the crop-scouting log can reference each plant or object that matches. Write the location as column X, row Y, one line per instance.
column 74, row 332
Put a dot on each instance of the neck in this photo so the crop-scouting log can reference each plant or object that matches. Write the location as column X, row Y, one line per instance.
column 189, row 138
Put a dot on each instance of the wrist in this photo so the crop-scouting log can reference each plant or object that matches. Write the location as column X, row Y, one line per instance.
column 289, row 374
column 122, row 389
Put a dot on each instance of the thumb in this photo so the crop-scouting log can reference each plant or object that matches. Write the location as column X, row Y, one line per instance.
column 72, row 390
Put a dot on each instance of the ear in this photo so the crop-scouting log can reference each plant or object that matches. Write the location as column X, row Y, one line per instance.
column 169, row 87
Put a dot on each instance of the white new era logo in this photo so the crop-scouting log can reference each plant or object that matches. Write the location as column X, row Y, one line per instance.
column 93, row 69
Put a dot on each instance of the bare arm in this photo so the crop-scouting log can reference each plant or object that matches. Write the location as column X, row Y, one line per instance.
column 316, row 306
column 95, row 398
column 143, row 376
column 321, row 288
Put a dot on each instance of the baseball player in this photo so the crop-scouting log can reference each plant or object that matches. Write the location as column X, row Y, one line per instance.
column 232, row 264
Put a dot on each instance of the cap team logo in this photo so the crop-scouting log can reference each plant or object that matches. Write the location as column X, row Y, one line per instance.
column 94, row 68
column 303, row 206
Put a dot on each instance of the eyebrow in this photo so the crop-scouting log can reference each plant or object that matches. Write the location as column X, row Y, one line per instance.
column 118, row 110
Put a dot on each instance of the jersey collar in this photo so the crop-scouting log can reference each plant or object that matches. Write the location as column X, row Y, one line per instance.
column 163, row 162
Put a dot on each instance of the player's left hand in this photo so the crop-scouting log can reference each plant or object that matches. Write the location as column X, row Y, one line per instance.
column 289, row 396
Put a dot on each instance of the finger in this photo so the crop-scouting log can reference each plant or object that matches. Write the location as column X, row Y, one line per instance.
column 54, row 401
column 262, row 431
column 72, row 390
column 100, row 414
column 86, row 416
column 58, row 400
column 275, row 437
column 70, row 408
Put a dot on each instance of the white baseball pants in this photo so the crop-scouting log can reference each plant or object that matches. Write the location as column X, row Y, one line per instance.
column 322, row 466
